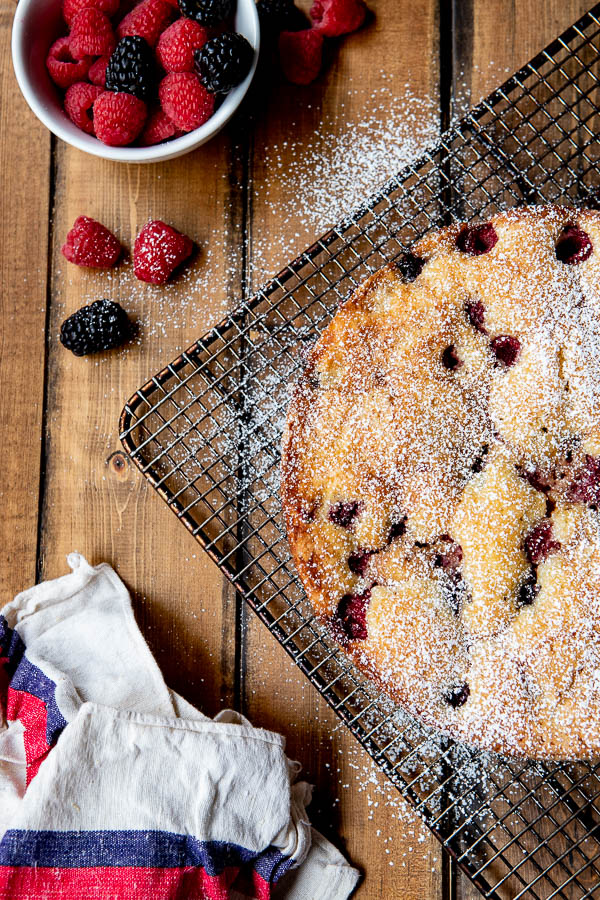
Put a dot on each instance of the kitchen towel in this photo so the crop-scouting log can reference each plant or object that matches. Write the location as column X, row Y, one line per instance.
column 114, row 787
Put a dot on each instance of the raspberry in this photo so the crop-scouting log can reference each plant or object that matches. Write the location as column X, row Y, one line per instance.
column 586, row 483
column 506, row 349
column 91, row 34
column 358, row 561
column 63, row 69
column 176, row 45
column 131, row 68
column 158, row 128
column 573, row 246
column 207, row 12
column 352, row 615
column 118, row 118
column 148, row 20
column 90, row 244
column 97, row 72
column 476, row 239
column 536, row 478
column 334, row 17
column 79, row 101
column 185, row 100
column 100, row 326
column 300, row 55
column 475, row 311
column 343, row 514
column 451, row 559
column 70, row 8
column 158, row 251
column 539, row 543
column 224, row 62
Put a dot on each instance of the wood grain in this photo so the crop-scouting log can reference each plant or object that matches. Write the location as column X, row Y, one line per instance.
column 95, row 500
column 490, row 41
column 382, row 67
column 25, row 186
column 229, row 197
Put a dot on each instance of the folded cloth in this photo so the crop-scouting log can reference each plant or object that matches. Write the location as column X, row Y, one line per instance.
column 113, row 786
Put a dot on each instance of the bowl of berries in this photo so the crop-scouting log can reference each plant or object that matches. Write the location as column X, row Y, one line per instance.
column 135, row 83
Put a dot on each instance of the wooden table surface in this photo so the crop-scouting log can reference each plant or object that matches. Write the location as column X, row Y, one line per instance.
column 66, row 484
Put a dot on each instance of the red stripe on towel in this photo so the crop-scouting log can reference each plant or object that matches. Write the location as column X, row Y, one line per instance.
column 31, row 712
column 110, row 883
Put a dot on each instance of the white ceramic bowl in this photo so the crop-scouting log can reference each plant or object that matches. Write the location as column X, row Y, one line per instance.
column 38, row 23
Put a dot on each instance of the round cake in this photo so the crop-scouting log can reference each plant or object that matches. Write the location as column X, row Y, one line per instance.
column 441, row 481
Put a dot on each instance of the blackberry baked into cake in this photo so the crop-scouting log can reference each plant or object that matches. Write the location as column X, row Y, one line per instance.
column 441, row 481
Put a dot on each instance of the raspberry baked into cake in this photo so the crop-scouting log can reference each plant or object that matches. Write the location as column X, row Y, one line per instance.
column 441, row 481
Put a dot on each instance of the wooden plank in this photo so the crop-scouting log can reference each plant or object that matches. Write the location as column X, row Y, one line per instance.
column 317, row 151
column 25, row 185
column 493, row 38
column 95, row 499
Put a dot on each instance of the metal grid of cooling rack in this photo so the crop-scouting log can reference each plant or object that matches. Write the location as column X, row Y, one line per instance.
column 206, row 432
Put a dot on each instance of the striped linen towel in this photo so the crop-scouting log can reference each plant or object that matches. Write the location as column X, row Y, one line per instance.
column 113, row 786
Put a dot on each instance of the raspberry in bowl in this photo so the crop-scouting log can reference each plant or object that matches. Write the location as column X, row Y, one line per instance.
column 137, row 79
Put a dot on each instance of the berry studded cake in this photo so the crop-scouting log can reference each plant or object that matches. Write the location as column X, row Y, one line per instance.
column 441, row 481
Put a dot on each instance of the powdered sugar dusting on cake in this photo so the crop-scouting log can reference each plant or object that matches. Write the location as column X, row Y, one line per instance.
column 479, row 433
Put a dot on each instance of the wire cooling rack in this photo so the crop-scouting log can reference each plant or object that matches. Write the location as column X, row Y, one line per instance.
column 206, row 432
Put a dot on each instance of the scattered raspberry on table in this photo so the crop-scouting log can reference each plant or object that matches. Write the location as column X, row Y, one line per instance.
column 90, row 244
column 300, row 53
column 159, row 250
column 335, row 17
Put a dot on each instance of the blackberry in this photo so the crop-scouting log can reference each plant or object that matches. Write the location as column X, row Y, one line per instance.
column 279, row 15
column 131, row 68
column 223, row 62
column 100, row 326
column 457, row 696
column 410, row 266
column 529, row 589
column 207, row 12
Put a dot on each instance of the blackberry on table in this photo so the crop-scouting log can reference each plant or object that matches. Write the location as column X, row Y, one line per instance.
column 207, row 12
column 131, row 68
column 223, row 62
column 100, row 326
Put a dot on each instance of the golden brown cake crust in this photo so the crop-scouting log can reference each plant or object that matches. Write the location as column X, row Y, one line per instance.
column 441, row 481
